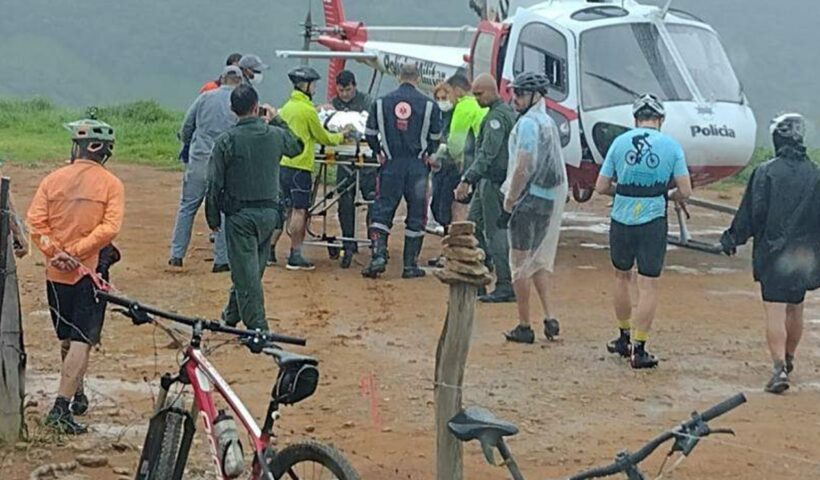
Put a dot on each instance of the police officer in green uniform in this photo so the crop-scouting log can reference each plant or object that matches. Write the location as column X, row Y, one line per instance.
column 485, row 176
column 243, row 183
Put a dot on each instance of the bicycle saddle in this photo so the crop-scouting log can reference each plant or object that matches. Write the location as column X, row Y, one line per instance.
column 479, row 423
column 288, row 359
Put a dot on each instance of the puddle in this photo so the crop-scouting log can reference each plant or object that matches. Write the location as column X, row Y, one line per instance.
column 732, row 293
column 587, row 267
column 595, row 246
column 107, row 386
column 683, row 270
column 600, row 228
column 723, row 271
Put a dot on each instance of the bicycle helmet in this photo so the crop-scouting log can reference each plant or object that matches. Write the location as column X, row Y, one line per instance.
column 648, row 103
column 531, row 82
column 303, row 74
column 88, row 129
column 791, row 126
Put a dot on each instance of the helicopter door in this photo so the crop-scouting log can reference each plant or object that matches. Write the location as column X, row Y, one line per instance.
column 537, row 44
column 487, row 51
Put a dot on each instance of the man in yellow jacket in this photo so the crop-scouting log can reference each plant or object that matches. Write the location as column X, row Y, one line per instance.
column 295, row 175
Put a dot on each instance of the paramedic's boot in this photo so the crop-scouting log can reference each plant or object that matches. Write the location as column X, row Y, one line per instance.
column 501, row 294
column 412, row 248
column 378, row 260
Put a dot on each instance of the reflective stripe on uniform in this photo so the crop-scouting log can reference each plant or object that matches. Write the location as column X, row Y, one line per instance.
column 380, row 120
column 370, row 131
column 425, row 128
column 380, row 226
column 413, row 234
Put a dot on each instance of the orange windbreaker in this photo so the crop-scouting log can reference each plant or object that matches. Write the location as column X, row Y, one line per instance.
column 77, row 209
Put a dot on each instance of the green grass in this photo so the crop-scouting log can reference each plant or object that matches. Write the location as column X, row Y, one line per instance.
column 761, row 155
column 31, row 132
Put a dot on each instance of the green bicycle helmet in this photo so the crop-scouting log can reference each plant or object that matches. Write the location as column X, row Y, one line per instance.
column 88, row 129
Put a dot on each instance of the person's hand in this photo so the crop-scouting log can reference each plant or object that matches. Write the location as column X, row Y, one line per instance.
column 216, row 230
column 270, row 112
column 350, row 132
column 509, row 204
column 64, row 262
column 462, row 191
column 381, row 158
column 21, row 247
column 727, row 245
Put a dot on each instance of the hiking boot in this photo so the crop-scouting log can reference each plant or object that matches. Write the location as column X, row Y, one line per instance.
column 789, row 363
column 376, row 267
column 520, row 334
column 642, row 359
column 79, row 405
column 379, row 256
column 221, row 268
column 621, row 346
column 499, row 295
column 551, row 328
column 437, row 262
column 175, row 262
column 64, row 423
column 347, row 259
column 272, row 257
column 297, row 262
column 412, row 272
column 779, row 382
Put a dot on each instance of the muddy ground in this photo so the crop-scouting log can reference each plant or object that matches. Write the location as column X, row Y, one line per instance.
column 576, row 405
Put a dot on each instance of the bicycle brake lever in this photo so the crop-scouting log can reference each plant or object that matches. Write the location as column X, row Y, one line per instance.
column 138, row 317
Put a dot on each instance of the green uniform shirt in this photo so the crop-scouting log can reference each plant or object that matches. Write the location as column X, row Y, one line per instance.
column 359, row 103
column 464, row 127
column 492, row 154
column 244, row 165
column 303, row 121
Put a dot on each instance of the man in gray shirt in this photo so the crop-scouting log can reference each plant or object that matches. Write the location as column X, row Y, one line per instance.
column 208, row 117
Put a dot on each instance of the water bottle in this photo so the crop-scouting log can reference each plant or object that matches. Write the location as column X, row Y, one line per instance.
column 229, row 450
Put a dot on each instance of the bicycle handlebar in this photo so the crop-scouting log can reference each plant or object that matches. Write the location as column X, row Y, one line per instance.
column 136, row 307
column 633, row 459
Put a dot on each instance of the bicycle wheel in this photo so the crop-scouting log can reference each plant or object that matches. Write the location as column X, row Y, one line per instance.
column 653, row 161
column 631, row 157
column 170, row 444
column 311, row 461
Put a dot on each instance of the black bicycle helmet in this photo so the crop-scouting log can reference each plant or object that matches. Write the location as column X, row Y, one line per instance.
column 532, row 82
column 648, row 103
column 303, row 74
column 791, row 126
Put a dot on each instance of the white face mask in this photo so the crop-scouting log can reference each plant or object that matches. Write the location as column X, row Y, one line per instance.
column 445, row 105
column 257, row 79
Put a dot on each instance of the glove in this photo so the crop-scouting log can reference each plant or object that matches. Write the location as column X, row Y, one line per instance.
column 503, row 222
column 727, row 244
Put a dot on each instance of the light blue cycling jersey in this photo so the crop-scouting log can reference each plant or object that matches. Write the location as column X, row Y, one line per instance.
column 643, row 161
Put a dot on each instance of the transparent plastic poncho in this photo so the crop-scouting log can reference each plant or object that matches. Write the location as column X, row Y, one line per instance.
column 537, row 182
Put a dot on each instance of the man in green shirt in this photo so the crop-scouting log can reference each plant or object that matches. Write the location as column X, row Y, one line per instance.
column 297, row 170
column 464, row 129
column 486, row 174
column 243, row 184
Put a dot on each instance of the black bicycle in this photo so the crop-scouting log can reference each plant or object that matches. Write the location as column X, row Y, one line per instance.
column 480, row 424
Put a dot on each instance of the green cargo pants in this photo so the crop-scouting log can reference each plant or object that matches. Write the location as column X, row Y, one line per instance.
column 248, row 234
column 485, row 209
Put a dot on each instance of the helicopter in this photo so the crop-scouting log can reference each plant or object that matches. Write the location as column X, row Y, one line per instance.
column 599, row 54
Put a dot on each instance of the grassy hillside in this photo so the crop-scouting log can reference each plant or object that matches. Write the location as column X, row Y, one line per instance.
column 31, row 131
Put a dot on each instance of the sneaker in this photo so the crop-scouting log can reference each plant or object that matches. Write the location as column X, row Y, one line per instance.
column 551, row 328
column 642, row 359
column 272, row 257
column 79, row 405
column 347, row 259
column 779, row 382
column 498, row 296
column 413, row 272
column 221, row 268
column 621, row 345
column 64, row 423
column 298, row 262
column 520, row 334
column 175, row 262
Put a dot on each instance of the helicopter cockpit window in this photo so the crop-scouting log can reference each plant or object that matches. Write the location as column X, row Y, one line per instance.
column 621, row 62
column 599, row 13
column 482, row 56
column 543, row 49
column 706, row 60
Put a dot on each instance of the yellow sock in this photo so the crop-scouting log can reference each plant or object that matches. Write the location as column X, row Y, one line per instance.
column 639, row 336
column 624, row 324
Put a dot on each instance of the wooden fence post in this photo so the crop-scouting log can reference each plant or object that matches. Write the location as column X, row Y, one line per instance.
column 12, row 350
column 464, row 271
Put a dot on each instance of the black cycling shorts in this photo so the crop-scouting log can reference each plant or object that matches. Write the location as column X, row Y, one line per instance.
column 777, row 292
column 296, row 186
column 529, row 223
column 75, row 313
column 644, row 244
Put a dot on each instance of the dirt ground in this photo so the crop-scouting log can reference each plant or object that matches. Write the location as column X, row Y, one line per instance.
column 576, row 406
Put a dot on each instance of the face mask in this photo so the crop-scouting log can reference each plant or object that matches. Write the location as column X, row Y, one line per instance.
column 445, row 105
column 257, row 79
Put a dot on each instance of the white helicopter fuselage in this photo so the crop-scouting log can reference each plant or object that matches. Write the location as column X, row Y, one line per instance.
column 600, row 55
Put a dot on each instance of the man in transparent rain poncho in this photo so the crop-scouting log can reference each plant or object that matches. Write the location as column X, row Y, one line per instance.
column 535, row 192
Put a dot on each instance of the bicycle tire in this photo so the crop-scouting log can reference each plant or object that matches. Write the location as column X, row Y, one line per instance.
column 632, row 157
column 169, row 449
column 653, row 160
column 309, row 451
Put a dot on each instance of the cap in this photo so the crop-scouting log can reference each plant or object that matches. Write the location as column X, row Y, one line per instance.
column 252, row 62
column 232, row 70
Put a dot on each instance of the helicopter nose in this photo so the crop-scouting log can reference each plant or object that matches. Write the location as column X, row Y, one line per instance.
column 718, row 139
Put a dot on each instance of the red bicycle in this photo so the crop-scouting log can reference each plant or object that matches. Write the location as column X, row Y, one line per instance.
column 170, row 432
